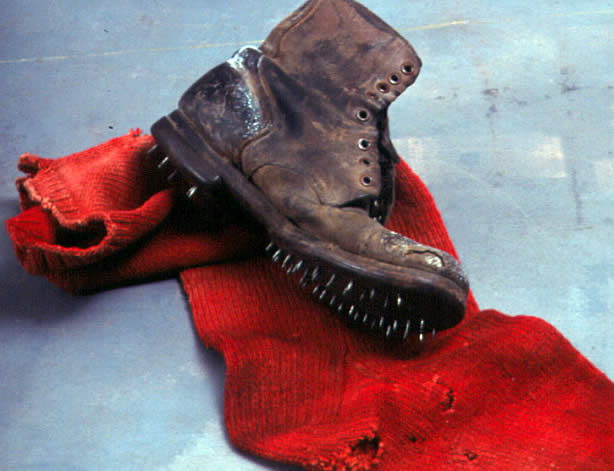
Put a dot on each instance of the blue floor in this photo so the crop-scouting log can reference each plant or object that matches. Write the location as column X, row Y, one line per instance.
column 511, row 126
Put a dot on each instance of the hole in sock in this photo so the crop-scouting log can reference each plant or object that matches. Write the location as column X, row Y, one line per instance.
column 471, row 455
column 448, row 400
column 367, row 446
column 364, row 455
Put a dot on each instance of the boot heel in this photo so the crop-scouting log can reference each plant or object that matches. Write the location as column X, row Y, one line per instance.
column 190, row 165
column 187, row 155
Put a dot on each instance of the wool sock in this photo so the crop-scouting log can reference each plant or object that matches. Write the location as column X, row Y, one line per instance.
column 496, row 392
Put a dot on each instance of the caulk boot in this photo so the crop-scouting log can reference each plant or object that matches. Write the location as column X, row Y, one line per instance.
column 296, row 131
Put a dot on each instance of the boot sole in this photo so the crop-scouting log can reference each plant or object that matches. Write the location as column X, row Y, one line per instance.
column 372, row 295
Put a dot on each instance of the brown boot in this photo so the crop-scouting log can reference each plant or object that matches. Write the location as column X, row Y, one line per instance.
column 297, row 132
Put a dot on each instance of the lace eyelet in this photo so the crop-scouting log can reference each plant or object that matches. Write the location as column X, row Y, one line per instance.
column 366, row 180
column 382, row 87
column 394, row 79
column 365, row 162
column 363, row 144
column 407, row 69
column 362, row 115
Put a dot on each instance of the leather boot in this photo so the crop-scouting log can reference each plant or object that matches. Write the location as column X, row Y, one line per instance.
column 297, row 132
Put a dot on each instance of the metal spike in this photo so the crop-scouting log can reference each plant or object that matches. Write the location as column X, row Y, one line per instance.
column 348, row 287
column 286, row 260
column 269, row 248
column 163, row 162
column 191, row 192
column 386, row 302
column 434, row 332
column 421, row 336
column 277, row 255
column 323, row 295
column 315, row 273
column 152, row 150
column 388, row 330
column 315, row 289
column 331, row 281
column 331, row 303
column 406, row 331
column 399, row 300
column 303, row 281
column 395, row 325
column 356, row 316
column 372, row 294
column 172, row 176
column 365, row 318
column 340, row 308
column 297, row 266
column 351, row 311
column 362, row 296
column 381, row 322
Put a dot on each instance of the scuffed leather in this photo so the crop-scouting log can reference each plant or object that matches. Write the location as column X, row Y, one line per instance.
column 228, row 104
column 304, row 118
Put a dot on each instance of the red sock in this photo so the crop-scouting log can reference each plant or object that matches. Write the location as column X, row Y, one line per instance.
column 496, row 392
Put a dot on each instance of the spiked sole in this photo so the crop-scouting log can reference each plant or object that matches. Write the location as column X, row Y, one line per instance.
column 391, row 300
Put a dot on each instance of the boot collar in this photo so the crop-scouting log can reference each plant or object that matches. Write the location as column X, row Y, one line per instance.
column 342, row 49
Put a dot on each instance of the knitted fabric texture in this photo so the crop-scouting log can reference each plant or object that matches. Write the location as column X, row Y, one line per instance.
column 496, row 392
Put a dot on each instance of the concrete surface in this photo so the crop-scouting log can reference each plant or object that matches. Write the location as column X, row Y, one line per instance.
column 510, row 125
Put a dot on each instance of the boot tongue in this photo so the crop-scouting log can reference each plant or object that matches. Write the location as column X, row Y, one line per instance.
column 343, row 50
